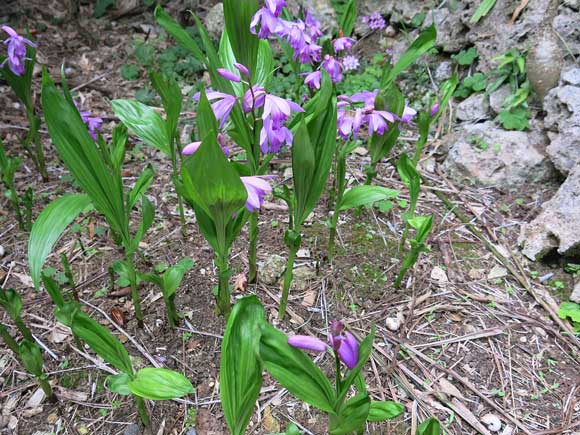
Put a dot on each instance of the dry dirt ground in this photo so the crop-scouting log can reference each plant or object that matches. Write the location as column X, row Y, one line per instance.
column 476, row 335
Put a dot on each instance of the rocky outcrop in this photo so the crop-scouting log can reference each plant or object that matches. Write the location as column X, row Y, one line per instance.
column 488, row 155
column 473, row 108
column 558, row 224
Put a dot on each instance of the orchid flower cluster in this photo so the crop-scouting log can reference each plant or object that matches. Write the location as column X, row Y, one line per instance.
column 17, row 67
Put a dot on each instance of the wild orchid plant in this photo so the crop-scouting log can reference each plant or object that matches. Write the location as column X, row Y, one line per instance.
column 21, row 204
column 251, row 345
column 17, row 68
column 96, row 167
column 147, row 383
column 28, row 351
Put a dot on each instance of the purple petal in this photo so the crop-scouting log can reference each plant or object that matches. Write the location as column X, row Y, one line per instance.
column 242, row 68
column 348, row 350
column 190, row 148
column 227, row 74
column 307, row 343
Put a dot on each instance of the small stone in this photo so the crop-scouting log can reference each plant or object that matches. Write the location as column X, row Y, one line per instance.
column 390, row 31
column 575, row 296
column 2, row 251
column 492, row 422
column 439, row 275
column 132, row 429
column 361, row 151
column 571, row 76
column 287, row 173
column 302, row 275
column 444, row 71
column 191, row 431
column 271, row 269
column 523, row 339
column 473, row 108
column 497, row 98
column 394, row 323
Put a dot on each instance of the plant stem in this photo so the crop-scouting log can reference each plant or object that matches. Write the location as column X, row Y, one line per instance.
column 223, row 296
column 288, row 276
column 175, row 177
column 10, row 342
column 39, row 152
column 171, row 314
column 340, row 175
column 252, row 251
column 45, row 385
column 134, row 292
column 371, row 172
column 143, row 414
column 24, row 330
column 69, row 276
column 408, row 261
column 338, row 376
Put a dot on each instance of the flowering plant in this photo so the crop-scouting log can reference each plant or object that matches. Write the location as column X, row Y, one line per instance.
column 251, row 345
column 17, row 67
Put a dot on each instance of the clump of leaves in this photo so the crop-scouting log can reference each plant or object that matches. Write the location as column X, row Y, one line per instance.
column 571, row 310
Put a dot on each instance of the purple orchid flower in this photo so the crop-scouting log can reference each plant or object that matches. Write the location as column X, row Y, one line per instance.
column 190, row 148
column 221, row 108
column 378, row 121
column 227, row 74
column 375, row 21
column 257, row 187
column 365, row 97
column 253, row 99
column 312, row 80
column 16, row 50
column 333, row 68
column 275, row 6
column 312, row 25
column 268, row 23
column 407, row 115
column 344, row 43
column 243, row 69
column 435, row 109
column 342, row 342
column 279, row 109
column 93, row 123
column 350, row 63
column 273, row 138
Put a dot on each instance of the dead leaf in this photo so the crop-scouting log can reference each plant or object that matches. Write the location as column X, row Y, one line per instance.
column 241, row 283
column 361, row 151
column 117, row 316
column 32, row 412
column 77, row 396
column 24, row 279
column 518, row 11
column 269, row 423
column 91, row 229
column 193, row 344
column 450, row 389
column 309, row 298
column 59, row 333
column 36, row 399
column 439, row 275
column 120, row 293
column 497, row 272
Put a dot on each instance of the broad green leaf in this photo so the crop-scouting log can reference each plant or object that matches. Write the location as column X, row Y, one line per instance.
column 446, row 90
column 363, row 195
column 423, row 225
column 173, row 276
column 147, row 217
column 66, row 313
column 238, row 15
column 482, row 10
column 119, row 383
column 140, row 187
column 352, row 415
column 144, row 122
column 364, row 353
column 303, row 169
column 228, row 58
column 571, row 310
column 424, row 42
column 118, row 146
column 178, row 33
column 171, row 97
column 159, row 384
column 102, row 342
column 295, row 370
column 83, row 157
column 241, row 369
column 385, row 410
column 11, row 302
column 348, row 18
column 265, row 63
column 49, row 226
column 410, row 178
column 31, row 357
column 53, row 290
column 429, row 427
column 206, row 120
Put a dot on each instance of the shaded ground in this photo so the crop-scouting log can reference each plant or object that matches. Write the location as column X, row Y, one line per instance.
column 472, row 340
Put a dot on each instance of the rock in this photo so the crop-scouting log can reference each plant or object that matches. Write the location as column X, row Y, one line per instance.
column 473, row 108
column 302, row 275
column 564, row 150
column 497, row 98
column 558, row 224
column 321, row 10
column 488, row 155
column 214, row 21
column 439, row 275
column 492, row 422
column 367, row 7
column 566, row 25
column 451, row 32
column 272, row 269
column 2, row 251
column 575, row 296
column 132, row 429
column 444, row 70
column 394, row 323
column 571, row 76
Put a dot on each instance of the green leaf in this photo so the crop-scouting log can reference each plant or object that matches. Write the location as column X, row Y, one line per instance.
column 410, row 178
column 385, row 410
column 295, row 370
column 352, row 416
column 423, row 225
column 515, row 119
column 140, row 187
column 119, row 383
column 48, row 227
column 571, row 310
column 101, row 7
column 160, row 384
column 265, row 63
column 11, row 302
column 241, row 369
column 101, row 341
column 364, row 353
column 83, row 157
column 429, row 427
column 348, row 18
column 227, row 56
column 238, row 15
column 31, row 357
column 303, row 168
column 144, row 122
column 179, row 34
column 466, row 57
column 173, row 276
column 482, row 10
column 147, row 216
column 53, row 290
column 130, row 71
column 118, row 146
column 446, row 90
column 424, row 42
column 171, row 97
column 363, row 195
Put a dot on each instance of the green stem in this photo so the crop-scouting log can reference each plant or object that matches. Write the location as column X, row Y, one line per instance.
column 24, row 330
column 340, row 186
column 288, row 276
column 253, row 249
column 338, row 376
column 14, row 199
column 45, row 385
column 143, row 414
column 223, row 296
column 408, row 261
column 38, row 146
column 175, row 177
column 10, row 342
column 69, row 276
column 134, row 292
column 371, row 172
column 171, row 314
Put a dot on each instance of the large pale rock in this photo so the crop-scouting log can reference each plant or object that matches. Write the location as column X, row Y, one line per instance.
column 558, row 224
column 473, row 108
column 575, row 296
column 564, row 149
column 272, row 269
column 497, row 98
column 562, row 105
column 486, row 154
column 215, row 21
column 566, row 24
column 322, row 10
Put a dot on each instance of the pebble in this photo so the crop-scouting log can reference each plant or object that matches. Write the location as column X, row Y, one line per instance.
column 132, row 429
column 2, row 251
column 492, row 422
